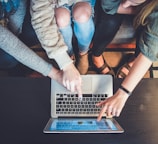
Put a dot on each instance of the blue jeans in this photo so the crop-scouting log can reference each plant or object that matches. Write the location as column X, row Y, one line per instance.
column 14, row 25
column 83, row 32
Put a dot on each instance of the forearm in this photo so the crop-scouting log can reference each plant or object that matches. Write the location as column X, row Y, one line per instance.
column 12, row 45
column 44, row 23
column 138, row 70
column 128, row 10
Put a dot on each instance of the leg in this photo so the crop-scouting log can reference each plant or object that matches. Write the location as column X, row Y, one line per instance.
column 125, row 68
column 15, row 25
column 106, row 28
column 27, row 31
column 16, row 20
column 82, row 18
column 63, row 19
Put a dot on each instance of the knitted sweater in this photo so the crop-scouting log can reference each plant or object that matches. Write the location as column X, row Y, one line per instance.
column 44, row 23
column 12, row 45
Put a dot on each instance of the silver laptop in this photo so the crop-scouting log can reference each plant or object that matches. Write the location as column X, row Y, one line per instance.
column 70, row 115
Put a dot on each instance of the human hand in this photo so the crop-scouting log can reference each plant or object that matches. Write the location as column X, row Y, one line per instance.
column 113, row 105
column 69, row 78
column 72, row 79
column 56, row 74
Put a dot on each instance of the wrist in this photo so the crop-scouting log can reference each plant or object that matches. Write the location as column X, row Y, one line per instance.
column 68, row 66
column 52, row 74
column 125, row 90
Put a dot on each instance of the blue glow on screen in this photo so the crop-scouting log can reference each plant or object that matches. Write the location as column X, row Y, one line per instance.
column 82, row 125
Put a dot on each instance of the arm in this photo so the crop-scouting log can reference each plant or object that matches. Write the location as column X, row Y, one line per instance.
column 128, row 10
column 148, row 44
column 44, row 24
column 12, row 45
column 27, row 57
column 116, row 6
column 43, row 21
column 115, row 104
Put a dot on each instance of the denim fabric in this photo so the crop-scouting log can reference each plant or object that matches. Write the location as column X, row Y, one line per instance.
column 84, row 33
column 16, row 20
column 83, row 38
column 148, row 40
column 8, row 8
column 110, row 6
column 11, row 4
column 147, row 36
column 15, row 26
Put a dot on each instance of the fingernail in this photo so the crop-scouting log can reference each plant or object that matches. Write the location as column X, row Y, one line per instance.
column 80, row 97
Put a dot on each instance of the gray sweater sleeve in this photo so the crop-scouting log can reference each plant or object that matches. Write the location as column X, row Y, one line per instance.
column 12, row 45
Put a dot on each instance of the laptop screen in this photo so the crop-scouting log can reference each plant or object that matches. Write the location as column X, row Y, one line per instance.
column 82, row 125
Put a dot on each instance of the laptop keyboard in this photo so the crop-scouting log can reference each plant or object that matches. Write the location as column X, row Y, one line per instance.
column 68, row 104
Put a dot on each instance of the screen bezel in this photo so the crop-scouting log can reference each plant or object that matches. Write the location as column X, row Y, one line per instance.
column 116, row 124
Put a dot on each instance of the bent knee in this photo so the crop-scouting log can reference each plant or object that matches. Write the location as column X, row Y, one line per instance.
column 62, row 16
column 82, row 11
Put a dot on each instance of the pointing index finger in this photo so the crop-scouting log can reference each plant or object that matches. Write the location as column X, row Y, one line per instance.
column 79, row 91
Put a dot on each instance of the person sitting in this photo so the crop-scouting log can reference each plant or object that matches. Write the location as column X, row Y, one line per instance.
column 52, row 23
column 12, row 48
column 107, row 26
column 145, row 22
column 80, row 15
column 11, row 17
